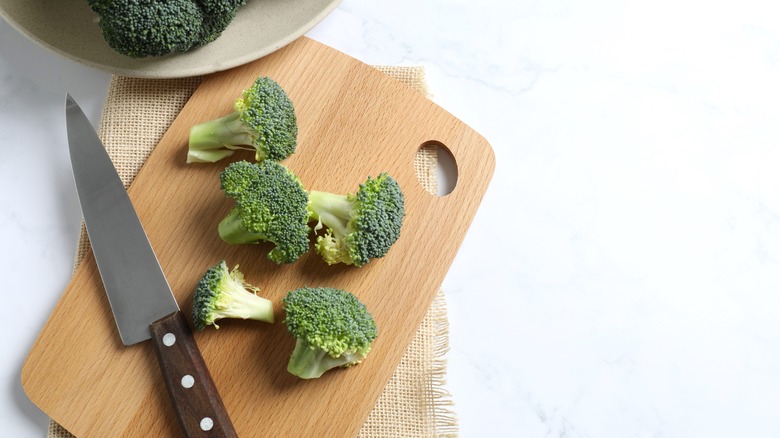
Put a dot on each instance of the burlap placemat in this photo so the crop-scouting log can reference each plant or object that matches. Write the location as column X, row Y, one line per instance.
column 136, row 114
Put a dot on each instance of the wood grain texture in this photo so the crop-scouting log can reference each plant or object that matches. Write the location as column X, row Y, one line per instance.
column 354, row 122
column 198, row 405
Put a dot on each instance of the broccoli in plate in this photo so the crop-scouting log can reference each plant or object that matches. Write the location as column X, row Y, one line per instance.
column 217, row 15
column 140, row 28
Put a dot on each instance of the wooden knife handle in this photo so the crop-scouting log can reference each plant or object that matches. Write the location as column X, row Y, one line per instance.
column 198, row 405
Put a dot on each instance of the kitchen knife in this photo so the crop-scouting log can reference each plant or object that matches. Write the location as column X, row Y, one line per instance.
column 141, row 300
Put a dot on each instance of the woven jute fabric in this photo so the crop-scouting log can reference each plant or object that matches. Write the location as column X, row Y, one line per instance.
column 415, row 403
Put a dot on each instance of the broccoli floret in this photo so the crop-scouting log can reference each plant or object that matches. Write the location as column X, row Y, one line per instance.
column 270, row 206
column 224, row 294
column 359, row 227
column 217, row 15
column 263, row 120
column 139, row 28
column 332, row 328
column 98, row 5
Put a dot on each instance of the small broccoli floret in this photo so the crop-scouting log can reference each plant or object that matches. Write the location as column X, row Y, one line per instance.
column 140, row 28
column 263, row 120
column 217, row 15
column 224, row 294
column 359, row 227
column 332, row 328
column 270, row 206
column 98, row 5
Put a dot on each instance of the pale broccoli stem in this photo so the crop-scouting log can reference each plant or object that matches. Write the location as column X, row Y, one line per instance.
column 208, row 140
column 332, row 210
column 309, row 362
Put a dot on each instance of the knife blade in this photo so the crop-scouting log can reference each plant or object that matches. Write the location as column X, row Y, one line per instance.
column 140, row 298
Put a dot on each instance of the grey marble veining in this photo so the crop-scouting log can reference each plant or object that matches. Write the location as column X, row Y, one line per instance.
column 622, row 277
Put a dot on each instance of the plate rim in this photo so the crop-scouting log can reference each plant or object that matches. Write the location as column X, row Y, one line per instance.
column 197, row 70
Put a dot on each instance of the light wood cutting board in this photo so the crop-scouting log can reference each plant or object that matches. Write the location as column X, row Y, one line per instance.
column 354, row 122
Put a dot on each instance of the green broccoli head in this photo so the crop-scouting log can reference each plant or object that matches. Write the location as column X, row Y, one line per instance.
column 332, row 328
column 263, row 120
column 221, row 293
column 359, row 227
column 218, row 7
column 270, row 206
column 98, row 6
column 142, row 28
column 217, row 15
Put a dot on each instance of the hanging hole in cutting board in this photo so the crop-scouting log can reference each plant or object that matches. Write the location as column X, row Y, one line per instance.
column 436, row 168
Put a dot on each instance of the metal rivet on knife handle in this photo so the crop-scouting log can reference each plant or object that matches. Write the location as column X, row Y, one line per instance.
column 197, row 404
column 187, row 381
column 169, row 339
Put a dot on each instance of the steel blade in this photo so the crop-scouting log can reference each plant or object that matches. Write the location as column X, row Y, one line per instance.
column 135, row 284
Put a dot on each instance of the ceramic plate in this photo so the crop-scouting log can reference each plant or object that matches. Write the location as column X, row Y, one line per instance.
column 69, row 28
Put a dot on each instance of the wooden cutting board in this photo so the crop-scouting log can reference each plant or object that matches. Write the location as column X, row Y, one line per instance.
column 354, row 122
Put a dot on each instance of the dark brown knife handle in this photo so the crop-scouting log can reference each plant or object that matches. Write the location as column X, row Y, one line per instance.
column 195, row 398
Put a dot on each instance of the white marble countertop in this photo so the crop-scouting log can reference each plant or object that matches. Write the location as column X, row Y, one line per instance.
column 622, row 277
